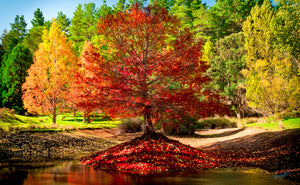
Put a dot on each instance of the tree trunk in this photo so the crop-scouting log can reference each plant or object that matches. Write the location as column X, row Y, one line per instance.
column 148, row 126
column 54, row 117
column 84, row 119
column 238, row 114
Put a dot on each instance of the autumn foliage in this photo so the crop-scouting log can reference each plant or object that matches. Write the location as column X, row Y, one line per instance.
column 83, row 95
column 145, row 66
column 49, row 77
column 152, row 155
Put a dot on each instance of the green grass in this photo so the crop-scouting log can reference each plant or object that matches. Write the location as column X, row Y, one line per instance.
column 65, row 122
column 293, row 123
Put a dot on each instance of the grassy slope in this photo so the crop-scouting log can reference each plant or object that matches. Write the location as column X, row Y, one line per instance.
column 44, row 123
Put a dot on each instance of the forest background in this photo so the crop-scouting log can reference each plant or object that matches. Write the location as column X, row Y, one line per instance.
column 252, row 49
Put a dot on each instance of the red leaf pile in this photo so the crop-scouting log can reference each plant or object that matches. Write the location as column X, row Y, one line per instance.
column 152, row 154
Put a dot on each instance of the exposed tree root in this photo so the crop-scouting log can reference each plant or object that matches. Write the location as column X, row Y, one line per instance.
column 152, row 153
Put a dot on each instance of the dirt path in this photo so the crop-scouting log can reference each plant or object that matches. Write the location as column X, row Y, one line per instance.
column 199, row 140
column 209, row 137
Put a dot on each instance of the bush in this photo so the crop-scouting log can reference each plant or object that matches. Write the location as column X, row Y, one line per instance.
column 182, row 126
column 213, row 123
column 291, row 114
column 130, row 125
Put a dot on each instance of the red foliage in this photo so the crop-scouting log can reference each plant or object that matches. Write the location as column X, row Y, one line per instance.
column 155, row 154
column 145, row 67
column 83, row 95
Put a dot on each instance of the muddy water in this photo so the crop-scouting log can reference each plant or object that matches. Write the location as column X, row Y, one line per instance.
column 73, row 173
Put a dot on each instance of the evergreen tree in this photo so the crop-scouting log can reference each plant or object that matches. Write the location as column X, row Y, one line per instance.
column 285, row 26
column 34, row 38
column 202, row 26
column 225, row 69
column 105, row 10
column 78, row 29
column 141, row 2
column 85, row 22
column 13, row 76
column 9, row 40
column 184, row 9
column 167, row 4
column 19, row 26
column 63, row 21
column 222, row 19
column 120, row 6
column 38, row 19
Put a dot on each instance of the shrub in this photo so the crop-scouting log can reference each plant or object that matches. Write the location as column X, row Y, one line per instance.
column 130, row 125
column 291, row 114
column 106, row 118
column 213, row 123
column 181, row 126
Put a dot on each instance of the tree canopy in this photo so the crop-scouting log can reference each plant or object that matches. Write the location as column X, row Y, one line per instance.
column 147, row 67
column 270, row 32
column 49, row 76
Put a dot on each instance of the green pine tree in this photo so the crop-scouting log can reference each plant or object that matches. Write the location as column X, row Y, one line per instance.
column 38, row 19
column 63, row 21
column 225, row 69
column 19, row 26
column 13, row 76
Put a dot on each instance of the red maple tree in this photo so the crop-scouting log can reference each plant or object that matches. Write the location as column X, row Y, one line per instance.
column 147, row 67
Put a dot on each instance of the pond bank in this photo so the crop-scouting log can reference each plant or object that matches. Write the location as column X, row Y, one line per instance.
column 45, row 146
column 273, row 151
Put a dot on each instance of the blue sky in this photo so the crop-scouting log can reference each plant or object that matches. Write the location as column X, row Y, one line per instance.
column 10, row 8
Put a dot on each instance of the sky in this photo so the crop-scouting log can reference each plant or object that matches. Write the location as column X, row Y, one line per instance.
column 50, row 8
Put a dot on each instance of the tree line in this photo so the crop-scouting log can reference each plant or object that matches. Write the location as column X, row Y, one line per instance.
column 251, row 49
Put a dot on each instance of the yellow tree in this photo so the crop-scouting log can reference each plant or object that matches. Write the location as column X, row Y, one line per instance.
column 49, row 77
column 273, row 82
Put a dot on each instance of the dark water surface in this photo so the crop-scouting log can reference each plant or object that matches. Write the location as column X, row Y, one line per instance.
column 72, row 173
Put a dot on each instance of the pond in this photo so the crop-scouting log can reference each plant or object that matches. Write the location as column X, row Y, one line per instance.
column 73, row 173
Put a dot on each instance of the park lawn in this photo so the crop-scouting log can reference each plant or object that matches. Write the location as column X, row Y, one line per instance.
column 293, row 123
column 65, row 122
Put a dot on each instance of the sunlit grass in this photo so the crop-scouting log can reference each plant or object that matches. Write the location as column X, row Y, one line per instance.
column 65, row 122
column 293, row 123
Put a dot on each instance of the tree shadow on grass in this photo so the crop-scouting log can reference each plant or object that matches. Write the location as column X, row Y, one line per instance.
column 80, row 119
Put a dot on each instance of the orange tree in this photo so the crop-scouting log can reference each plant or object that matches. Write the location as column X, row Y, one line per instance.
column 147, row 67
column 49, row 77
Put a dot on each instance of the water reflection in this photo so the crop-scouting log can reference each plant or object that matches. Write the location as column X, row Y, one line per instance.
column 70, row 173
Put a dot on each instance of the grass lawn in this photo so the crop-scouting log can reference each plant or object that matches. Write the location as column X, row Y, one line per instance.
column 293, row 123
column 10, row 122
column 65, row 122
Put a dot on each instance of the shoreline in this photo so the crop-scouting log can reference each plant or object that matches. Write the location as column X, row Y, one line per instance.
column 72, row 146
